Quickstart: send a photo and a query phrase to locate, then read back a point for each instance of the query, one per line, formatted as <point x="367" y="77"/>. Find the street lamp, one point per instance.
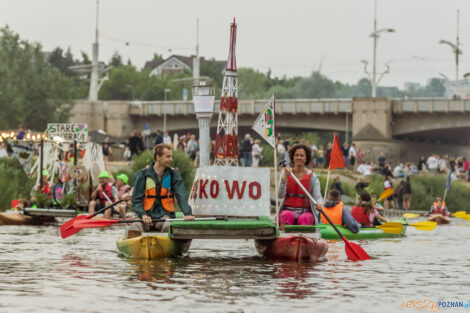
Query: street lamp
<point x="164" y="112"/>
<point x="203" y="98"/>
<point x="456" y="49"/>
<point x="376" y="35"/>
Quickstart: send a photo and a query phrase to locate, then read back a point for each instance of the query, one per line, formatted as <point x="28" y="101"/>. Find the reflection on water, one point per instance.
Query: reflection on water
<point x="39" y="271"/>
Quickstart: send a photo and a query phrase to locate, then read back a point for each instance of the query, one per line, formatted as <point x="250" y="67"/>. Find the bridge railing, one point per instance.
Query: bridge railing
<point x="252" y="107"/>
<point x="431" y="105"/>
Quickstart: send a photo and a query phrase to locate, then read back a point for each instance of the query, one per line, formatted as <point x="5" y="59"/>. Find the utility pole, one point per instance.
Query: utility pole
<point x="196" y="65"/>
<point x="93" y="94"/>
<point x="375" y="35"/>
<point x="456" y="49"/>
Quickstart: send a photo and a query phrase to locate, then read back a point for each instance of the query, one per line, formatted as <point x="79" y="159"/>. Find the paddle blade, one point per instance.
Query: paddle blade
<point x="410" y="215"/>
<point x="387" y="193"/>
<point x="89" y="223"/>
<point x="391" y="227"/>
<point x="466" y="217"/>
<point x="355" y="252"/>
<point x="67" y="228"/>
<point x="424" y="225"/>
<point x="460" y="213"/>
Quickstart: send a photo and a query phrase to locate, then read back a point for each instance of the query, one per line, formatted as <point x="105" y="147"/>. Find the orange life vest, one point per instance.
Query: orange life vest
<point x="166" y="195"/>
<point x="438" y="211"/>
<point x="335" y="214"/>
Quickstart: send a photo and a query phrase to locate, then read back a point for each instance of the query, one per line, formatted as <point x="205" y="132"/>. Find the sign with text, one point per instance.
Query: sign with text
<point x="230" y="190"/>
<point x="69" y="132"/>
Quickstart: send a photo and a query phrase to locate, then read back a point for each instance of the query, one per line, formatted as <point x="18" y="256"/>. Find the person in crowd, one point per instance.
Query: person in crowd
<point x="182" y="143"/>
<point x="381" y="160"/>
<point x="123" y="193"/>
<point x="280" y="151"/>
<point x="286" y="143"/>
<point x="192" y="147"/>
<point x="352" y="155"/>
<point x="135" y="144"/>
<point x="365" y="169"/>
<point x="46" y="186"/>
<point x="314" y="148"/>
<point x="328" y="155"/>
<point x="246" y="151"/>
<point x="21" y="133"/>
<point x="159" y="177"/>
<point x="320" y="156"/>
<point x="422" y="164"/>
<point x="158" y="138"/>
<point x="345" y="151"/>
<point x="360" y="156"/>
<point x="337" y="185"/>
<point x="296" y="207"/>
<point x="442" y="167"/>
<point x="167" y="139"/>
<point x="439" y="207"/>
<point x="399" y="192"/>
<point x="432" y="163"/>
<point x="20" y="205"/>
<point x="388" y="170"/>
<point x="399" y="171"/>
<point x="333" y="208"/>
<point x="257" y="153"/>
<point x="3" y="150"/>
<point x="365" y="213"/>
<point x="103" y="195"/>
<point x="388" y="184"/>
<point x="407" y="194"/>
<point x="106" y="148"/>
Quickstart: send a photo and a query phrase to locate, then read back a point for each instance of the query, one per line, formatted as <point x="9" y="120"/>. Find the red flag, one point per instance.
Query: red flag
<point x="336" y="158"/>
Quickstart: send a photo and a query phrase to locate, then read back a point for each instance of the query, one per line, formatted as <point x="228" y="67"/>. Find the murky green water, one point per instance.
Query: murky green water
<point x="40" y="272"/>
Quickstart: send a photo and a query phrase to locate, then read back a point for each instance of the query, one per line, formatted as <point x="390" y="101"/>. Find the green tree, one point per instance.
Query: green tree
<point x="32" y="92"/>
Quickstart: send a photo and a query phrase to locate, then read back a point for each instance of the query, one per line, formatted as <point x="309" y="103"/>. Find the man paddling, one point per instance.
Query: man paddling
<point x="155" y="188"/>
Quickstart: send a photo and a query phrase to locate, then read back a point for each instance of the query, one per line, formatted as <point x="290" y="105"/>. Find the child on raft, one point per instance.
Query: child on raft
<point x="337" y="214"/>
<point x="365" y="212"/>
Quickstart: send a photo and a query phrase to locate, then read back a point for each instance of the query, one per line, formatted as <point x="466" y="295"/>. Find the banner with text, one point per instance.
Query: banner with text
<point x="69" y="132"/>
<point x="230" y="190"/>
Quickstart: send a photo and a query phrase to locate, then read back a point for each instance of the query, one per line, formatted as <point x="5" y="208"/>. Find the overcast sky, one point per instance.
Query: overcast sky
<point x="289" y="37"/>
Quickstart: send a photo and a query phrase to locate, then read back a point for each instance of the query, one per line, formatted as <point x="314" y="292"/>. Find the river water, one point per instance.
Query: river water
<point x="40" y="272"/>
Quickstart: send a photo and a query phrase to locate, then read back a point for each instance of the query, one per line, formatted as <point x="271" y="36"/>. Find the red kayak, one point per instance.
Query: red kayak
<point x="293" y="248"/>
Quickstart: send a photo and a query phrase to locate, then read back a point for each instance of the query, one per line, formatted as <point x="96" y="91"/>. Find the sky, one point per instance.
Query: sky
<point x="287" y="37"/>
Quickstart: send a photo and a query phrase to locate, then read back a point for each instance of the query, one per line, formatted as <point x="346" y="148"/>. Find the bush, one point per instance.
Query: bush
<point x="14" y="183"/>
<point x="181" y="161"/>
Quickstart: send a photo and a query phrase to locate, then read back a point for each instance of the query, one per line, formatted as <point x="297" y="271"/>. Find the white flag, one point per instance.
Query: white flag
<point x="264" y="124"/>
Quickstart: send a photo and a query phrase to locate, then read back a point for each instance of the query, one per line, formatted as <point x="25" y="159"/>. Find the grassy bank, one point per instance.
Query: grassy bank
<point x="14" y="183"/>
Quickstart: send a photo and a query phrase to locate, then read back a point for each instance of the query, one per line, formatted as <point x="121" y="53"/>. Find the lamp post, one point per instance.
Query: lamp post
<point x="456" y="49"/>
<point x="164" y="112"/>
<point x="376" y="34"/>
<point x="203" y="99"/>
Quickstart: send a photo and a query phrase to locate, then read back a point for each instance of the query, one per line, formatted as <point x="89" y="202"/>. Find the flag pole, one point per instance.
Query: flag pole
<point x="326" y="186"/>
<point x="275" y="164"/>
<point x="445" y="194"/>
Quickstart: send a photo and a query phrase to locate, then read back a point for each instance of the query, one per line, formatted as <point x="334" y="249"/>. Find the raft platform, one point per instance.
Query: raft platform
<point x="256" y="228"/>
<point x="50" y="212"/>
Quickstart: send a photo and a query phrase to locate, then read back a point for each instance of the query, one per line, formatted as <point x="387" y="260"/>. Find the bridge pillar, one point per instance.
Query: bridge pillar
<point x="371" y="119"/>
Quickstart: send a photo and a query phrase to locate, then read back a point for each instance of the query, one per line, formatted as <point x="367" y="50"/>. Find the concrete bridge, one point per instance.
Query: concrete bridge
<point x="393" y="125"/>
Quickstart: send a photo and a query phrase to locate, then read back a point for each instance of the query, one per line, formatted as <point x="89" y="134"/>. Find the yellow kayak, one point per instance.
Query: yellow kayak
<point x="152" y="247"/>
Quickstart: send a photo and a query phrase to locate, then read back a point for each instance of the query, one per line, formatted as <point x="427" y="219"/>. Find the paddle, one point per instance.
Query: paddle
<point x="459" y="213"/>
<point x="411" y="215"/>
<point x="104" y="222"/>
<point x="397" y="227"/>
<point x="465" y="217"/>
<point x="353" y="251"/>
<point x="67" y="229"/>
<point x="387" y="193"/>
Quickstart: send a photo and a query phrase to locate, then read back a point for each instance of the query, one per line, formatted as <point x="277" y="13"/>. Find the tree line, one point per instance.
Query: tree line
<point x="37" y="87"/>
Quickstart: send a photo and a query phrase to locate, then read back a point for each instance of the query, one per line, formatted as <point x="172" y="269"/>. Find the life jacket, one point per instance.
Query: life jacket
<point x="295" y="196"/>
<point x="359" y="214"/>
<point x="440" y="210"/>
<point x="123" y="189"/>
<point x="335" y="214"/>
<point x="166" y="196"/>
<point x="108" y="190"/>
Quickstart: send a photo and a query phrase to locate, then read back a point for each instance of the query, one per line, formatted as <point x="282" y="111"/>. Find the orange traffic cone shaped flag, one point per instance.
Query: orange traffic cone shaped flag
<point x="336" y="158"/>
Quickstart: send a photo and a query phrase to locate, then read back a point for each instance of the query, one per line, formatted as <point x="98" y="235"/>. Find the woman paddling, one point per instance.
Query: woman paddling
<point x="296" y="208"/>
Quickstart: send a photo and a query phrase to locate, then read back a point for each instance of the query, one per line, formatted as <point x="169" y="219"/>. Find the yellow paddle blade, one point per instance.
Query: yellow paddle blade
<point x="387" y="193"/>
<point x="411" y="215"/>
<point x="424" y="225"/>
<point x="391" y="227"/>
<point x="466" y="217"/>
<point x="459" y="213"/>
